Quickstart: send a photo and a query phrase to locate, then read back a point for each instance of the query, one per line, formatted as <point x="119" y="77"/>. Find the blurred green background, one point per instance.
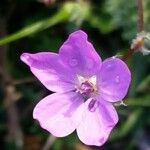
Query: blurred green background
<point x="34" y="26"/>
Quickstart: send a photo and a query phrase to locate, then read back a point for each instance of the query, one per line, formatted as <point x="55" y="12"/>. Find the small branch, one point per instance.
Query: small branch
<point x="14" y="130"/>
<point x="140" y="15"/>
<point x="14" y="134"/>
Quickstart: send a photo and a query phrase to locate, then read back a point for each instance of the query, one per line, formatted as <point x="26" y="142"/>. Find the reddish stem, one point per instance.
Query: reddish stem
<point x="140" y="25"/>
<point x="140" y="15"/>
<point x="128" y="54"/>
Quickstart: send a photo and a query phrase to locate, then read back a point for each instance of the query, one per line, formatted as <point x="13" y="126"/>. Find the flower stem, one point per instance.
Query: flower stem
<point x="127" y="54"/>
<point x="140" y="28"/>
<point x="140" y="15"/>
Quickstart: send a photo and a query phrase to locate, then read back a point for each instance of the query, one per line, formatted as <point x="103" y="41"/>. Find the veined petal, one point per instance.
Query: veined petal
<point x="78" y="53"/>
<point x="48" y="68"/>
<point x="97" y="125"/>
<point x="59" y="114"/>
<point x="114" y="80"/>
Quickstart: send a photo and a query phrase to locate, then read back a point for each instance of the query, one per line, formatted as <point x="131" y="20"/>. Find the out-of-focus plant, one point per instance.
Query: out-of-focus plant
<point x="69" y="11"/>
<point x="110" y="24"/>
<point x="124" y="15"/>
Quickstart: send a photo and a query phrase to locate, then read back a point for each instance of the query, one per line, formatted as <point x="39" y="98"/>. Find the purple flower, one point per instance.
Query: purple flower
<point x="85" y="89"/>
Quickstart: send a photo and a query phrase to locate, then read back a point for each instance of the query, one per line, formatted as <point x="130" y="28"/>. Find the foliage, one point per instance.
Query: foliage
<point x="124" y="16"/>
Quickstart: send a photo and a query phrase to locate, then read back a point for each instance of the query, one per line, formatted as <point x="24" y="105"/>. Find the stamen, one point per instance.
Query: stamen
<point x="92" y="80"/>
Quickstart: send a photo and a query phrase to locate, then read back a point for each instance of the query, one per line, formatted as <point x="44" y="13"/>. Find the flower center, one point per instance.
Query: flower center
<point x="87" y="86"/>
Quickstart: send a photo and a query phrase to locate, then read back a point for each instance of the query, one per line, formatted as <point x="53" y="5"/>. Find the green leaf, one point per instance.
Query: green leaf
<point x="144" y="85"/>
<point x="143" y="101"/>
<point x="126" y="127"/>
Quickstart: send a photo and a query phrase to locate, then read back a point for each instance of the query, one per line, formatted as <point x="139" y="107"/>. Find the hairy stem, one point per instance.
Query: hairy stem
<point x="140" y="25"/>
<point x="140" y="15"/>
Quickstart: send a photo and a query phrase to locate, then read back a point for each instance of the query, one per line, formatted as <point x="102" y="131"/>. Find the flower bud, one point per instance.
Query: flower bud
<point x="142" y="43"/>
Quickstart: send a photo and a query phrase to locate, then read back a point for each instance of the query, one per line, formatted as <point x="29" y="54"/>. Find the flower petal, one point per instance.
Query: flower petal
<point x="97" y="125"/>
<point x="78" y="53"/>
<point x="114" y="80"/>
<point x="59" y="113"/>
<point x="52" y="73"/>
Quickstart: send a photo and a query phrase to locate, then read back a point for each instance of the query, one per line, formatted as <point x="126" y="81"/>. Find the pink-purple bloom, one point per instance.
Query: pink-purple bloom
<point x="84" y="86"/>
